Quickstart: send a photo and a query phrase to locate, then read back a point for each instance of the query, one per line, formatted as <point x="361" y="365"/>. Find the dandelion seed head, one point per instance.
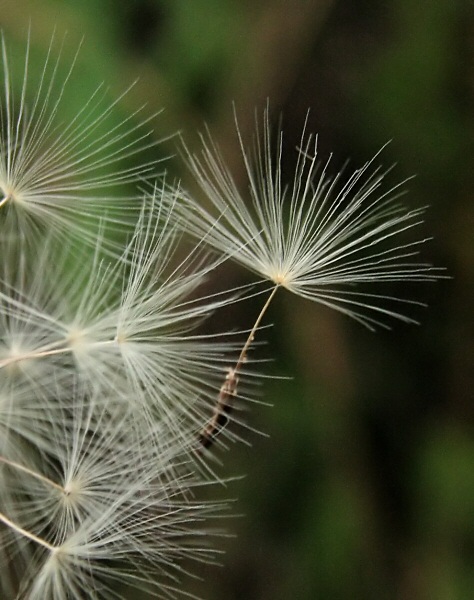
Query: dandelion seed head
<point x="121" y="337"/>
<point x="11" y="193"/>
<point x="72" y="491"/>
<point x="77" y="339"/>
<point x="322" y="237"/>
<point x="128" y="320"/>
<point x="55" y="175"/>
<point x="17" y="359"/>
<point x="103" y="504"/>
<point x="279" y="277"/>
<point x="109" y="390"/>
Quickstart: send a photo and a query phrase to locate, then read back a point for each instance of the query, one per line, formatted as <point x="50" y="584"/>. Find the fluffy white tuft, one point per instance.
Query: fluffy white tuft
<point x="54" y="175"/>
<point x="318" y="237"/>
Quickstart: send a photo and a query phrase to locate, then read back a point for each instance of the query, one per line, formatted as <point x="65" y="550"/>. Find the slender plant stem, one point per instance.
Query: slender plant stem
<point x="18" y="467"/>
<point x="4" y="200"/>
<point x="25" y="533"/>
<point x="248" y="343"/>
<point x="43" y="352"/>
<point x="228" y="389"/>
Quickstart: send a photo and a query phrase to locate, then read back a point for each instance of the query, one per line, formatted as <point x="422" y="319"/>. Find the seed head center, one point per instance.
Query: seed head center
<point x="281" y="278"/>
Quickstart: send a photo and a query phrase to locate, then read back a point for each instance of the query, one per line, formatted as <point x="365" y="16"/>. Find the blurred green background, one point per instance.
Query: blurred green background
<point x="365" y="487"/>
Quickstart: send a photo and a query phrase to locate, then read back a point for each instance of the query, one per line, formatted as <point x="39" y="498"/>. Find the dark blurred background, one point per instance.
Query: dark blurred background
<point x="365" y="487"/>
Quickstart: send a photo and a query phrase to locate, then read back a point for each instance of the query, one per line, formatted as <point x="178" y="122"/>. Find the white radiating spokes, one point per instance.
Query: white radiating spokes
<point x="55" y="173"/>
<point x="319" y="237"/>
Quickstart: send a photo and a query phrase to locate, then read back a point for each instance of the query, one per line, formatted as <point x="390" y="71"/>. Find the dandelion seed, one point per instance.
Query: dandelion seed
<point x="124" y="324"/>
<point x="100" y="505"/>
<point x="319" y="238"/>
<point x="105" y="378"/>
<point x="54" y="175"/>
<point x="223" y="408"/>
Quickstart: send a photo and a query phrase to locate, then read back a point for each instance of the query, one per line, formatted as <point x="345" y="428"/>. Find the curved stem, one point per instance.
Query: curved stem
<point x="18" y="467"/>
<point x="228" y="390"/>
<point x="4" y="200"/>
<point x="43" y="352"/>
<point x="31" y="536"/>
<point x="246" y="346"/>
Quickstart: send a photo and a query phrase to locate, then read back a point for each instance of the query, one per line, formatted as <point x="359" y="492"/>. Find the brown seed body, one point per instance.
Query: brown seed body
<point x="222" y="409"/>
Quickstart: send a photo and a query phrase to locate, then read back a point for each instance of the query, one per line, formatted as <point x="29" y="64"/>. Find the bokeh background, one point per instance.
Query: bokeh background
<point x="364" y="488"/>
